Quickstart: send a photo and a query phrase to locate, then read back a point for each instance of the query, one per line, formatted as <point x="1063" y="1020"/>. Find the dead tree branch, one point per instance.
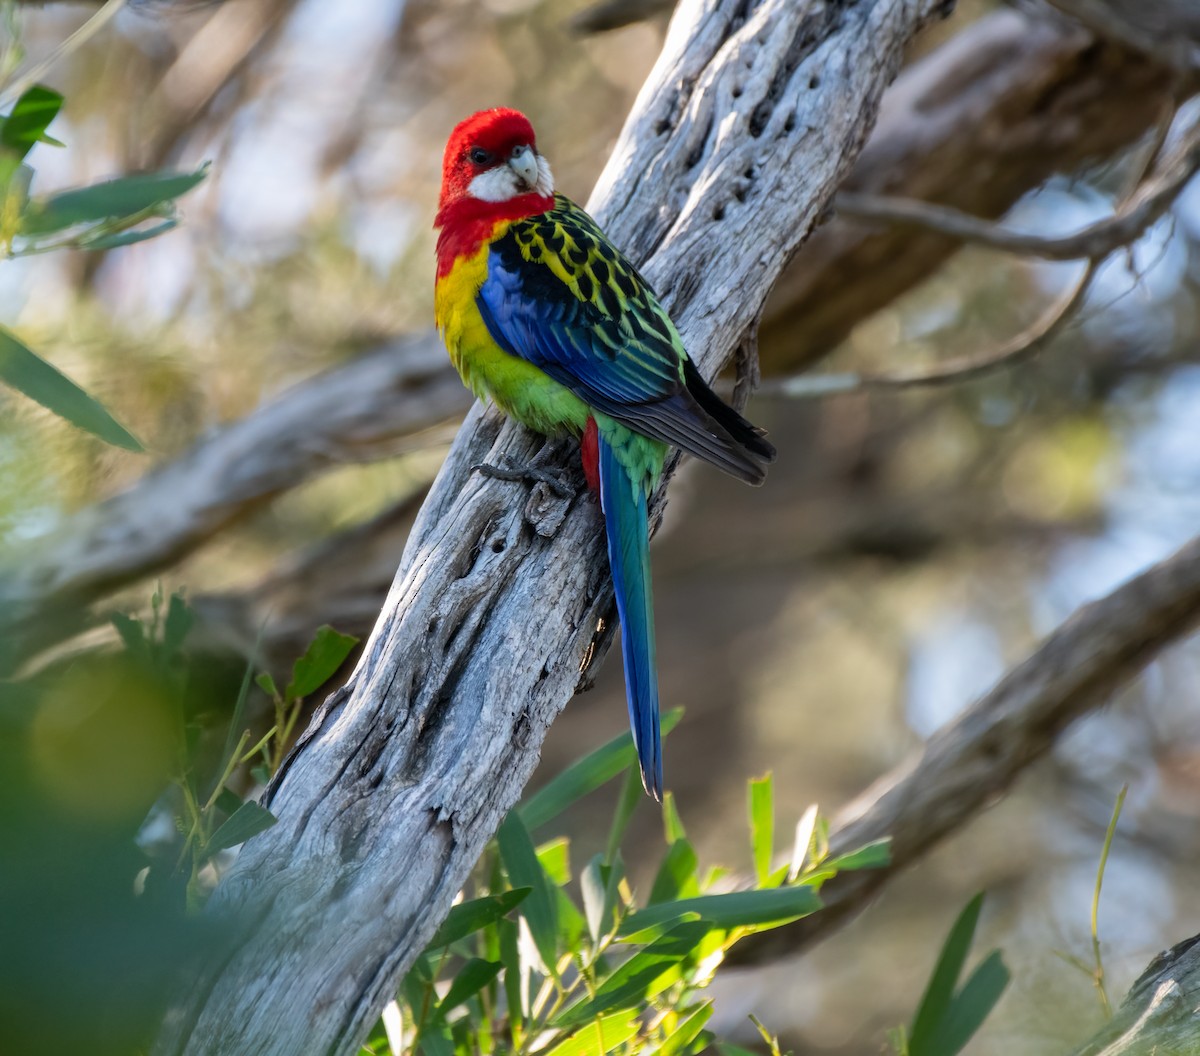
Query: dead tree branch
<point x="1149" y="202"/>
<point x="970" y="763"/>
<point x="404" y="774"/>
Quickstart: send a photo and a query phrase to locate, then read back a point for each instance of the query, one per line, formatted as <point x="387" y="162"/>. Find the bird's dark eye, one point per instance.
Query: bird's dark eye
<point x="479" y="156"/>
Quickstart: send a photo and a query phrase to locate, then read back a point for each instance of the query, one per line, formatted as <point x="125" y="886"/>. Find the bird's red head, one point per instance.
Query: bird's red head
<point x="491" y="171"/>
<point x="492" y="157"/>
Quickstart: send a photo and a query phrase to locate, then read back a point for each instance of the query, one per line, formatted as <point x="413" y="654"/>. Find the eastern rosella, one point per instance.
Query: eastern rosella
<point x="543" y="315"/>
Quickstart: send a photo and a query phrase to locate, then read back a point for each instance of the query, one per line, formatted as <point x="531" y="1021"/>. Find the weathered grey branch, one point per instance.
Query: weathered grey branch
<point x="1160" y="1014"/>
<point x="1152" y="199"/>
<point x="375" y="406"/>
<point x="739" y="137"/>
<point x="980" y="121"/>
<point x="970" y="763"/>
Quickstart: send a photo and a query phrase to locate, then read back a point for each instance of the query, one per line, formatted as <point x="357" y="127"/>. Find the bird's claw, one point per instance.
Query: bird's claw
<point x="526" y="473"/>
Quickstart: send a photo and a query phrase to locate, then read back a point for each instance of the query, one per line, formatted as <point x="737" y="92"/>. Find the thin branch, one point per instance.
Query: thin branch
<point x="1023" y="346"/>
<point x="1097" y="240"/>
<point x="1144" y="201"/>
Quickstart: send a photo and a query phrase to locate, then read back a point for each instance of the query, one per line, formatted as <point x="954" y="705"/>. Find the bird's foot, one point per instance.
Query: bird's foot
<point x="527" y="472"/>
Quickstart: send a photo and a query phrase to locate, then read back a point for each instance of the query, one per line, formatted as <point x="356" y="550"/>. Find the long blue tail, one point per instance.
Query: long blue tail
<point x="625" y="522"/>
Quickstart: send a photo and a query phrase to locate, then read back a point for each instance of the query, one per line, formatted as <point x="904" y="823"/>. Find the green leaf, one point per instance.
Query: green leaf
<point x="629" y="800"/>
<point x="122" y="197"/>
<point x="555" y="856"/>
<point x="472" y="916"/>
<point x="593" y="887"/>
<point x="516" y="989"/>
<point x="30" y="374"/>
<point x="128" y="237"/>
<point x="762" y="826"/>
<point x="524" y="870"/>
<point x="471" y="978"/>
<point x="600" y="1036"/>
<point x="179" y="622"/>
<point x="940" y="990"/>
<point x="131" y="632"/>
<point x="686" y="1031"/>
<point x="672" y="823"/>
<point x="875" y="855"/>
<point x="321" y="659"/>
<point x="586" y="775"/>
<point x="248" y="820"/>
<point x="970" y="1007"/>
<point x="645" y="975"/>
<point x="266" y="683"/>
<point x="677" y="875"/>
<point x="26" y="124"/>
<point x="228" y="801"/>
<point x="571" y="924"/>
<point x="737" y="909"/>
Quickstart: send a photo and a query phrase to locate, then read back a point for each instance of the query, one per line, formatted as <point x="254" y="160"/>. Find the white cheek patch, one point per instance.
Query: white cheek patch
<point x="501" y="183"/>
<point x="545" y="178"/>
<point x="496" y="185"/>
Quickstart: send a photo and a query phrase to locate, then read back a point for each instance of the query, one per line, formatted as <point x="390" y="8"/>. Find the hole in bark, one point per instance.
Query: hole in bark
<point x="790" y="124"/>
<point x="749" y="173"/>
<point x="718" y="213"/>
<point x="739" y="192"/>
<point x="736" y="91"/>
<point x="759" y="119"/>
<point x="498" y="545"/>
<point x="814" y="82"/>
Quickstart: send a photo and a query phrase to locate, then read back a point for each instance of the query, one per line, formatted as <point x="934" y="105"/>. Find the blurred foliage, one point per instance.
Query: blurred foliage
<point x="102" y="216"/>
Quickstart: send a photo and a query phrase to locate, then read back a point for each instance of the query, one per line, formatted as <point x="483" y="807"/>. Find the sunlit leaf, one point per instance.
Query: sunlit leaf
<point x="672" y="823"/>
<point x="876" y="855"/>
<point x="600" y="1036"/>
<point x="762" y="826"/>
<point x="687" y="1031"/>
<point x="324" y="655"/>
<point x="642" y="977"/>
<point x="478" y="913"/>
<point x="26" y="123"/>
<point x="555" y="856"/>
<point x="735" y="909"/>
<point x="585" y="775"/>
<point x="676" y="877"/>
<point x="28" y="373"/>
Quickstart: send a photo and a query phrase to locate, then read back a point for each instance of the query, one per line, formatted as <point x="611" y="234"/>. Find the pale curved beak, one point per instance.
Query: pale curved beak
<point x="523" y="161"/>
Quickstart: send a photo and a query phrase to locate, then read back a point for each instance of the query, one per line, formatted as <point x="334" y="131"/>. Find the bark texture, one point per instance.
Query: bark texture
<point x="1160" y="1015"/>
<point x="740" y="136"/>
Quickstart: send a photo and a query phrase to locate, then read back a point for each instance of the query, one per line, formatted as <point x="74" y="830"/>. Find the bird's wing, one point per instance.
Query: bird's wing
<point x="559" y="295"/>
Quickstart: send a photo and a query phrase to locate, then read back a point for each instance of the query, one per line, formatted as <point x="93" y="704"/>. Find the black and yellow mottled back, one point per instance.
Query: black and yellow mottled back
<point x="561" y="296"/>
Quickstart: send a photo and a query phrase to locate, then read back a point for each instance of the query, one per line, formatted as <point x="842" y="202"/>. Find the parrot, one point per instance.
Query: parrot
<point x="545" y="318"/>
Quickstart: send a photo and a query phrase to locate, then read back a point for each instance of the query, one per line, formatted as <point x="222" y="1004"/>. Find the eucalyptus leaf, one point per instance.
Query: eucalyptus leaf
<point x="122" y="197"/>
<point x="248" y="820"/>
<point x="31" y="375"/>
